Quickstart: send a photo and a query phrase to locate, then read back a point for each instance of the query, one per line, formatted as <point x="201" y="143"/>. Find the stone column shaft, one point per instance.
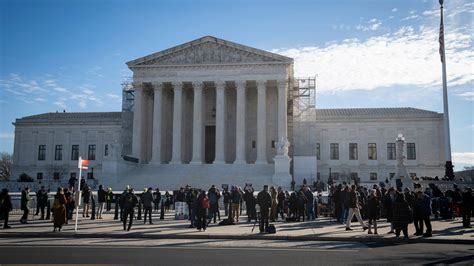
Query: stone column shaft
<point x="197" y="123"/>
<point x="220" y="122"/>
<point x="177" y="121"/>
<point x="240" y="126"/>
<point x="261" y="122"/>
<point x="282" y="114"/>
<point x="157" y="123"/>
<point x="137" y="122"/>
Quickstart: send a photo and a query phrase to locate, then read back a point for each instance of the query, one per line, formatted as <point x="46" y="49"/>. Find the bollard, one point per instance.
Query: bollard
<point x="93" y="209"/>
<point x="116" y="209"/>
<point x="48" y="210"/>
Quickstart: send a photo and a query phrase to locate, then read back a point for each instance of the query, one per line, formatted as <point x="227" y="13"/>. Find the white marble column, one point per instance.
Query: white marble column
<point x="137" y="122"/>
<point x="157" y="122"/>
<point x="282" y="114"/>
<point x="240" y="126"/>
<point x="197" y="123"/>
<point x="177" y="121"/>
<point x="220" y="121"/>
<point x="261" y="122"/>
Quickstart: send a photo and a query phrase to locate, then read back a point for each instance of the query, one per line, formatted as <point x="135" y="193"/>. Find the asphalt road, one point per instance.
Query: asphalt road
<point x="229" y="252"/>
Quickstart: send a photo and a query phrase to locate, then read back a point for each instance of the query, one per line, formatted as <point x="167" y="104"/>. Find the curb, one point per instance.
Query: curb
<point x="237" y="237"/>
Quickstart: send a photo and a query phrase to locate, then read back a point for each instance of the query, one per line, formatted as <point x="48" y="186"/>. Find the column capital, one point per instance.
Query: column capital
<point x="197" y="85"/>
<point x="220" y="84"/>
<point x="177" y="85"/>
<point x="240" y="84"/>
<point x="282" y="82"/>
<point x="157" y="85"/>
<point x="137" y="85"/>
<point x="261" y="84"/>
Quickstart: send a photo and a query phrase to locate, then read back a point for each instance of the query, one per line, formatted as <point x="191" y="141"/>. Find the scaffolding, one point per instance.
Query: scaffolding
<point x="303" y="98"/>
<point x="128" y="95"/>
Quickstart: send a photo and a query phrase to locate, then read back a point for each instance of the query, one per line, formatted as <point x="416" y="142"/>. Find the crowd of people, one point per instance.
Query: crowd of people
<point x="345" y="203"/>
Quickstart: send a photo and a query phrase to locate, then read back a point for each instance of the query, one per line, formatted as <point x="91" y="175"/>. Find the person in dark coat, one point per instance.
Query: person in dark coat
<point x="226" y="196"/>
<point x="59" y="209"/>
<point x="337" y="203"/>
<point x="109" y="198"/>
<point x="301" y="201"/>
<point x="101" y="198"/>
<point x="5" y="207"/>
<point x="202" y="211"/>
<point x="264" y="201"/>
<point x="147" y="200"/>
<point x="235" y="198"/>
<point x="129" y="203"/>
<point x="42" y="201"/>
<point x="86" y="199"/>
<point x="24" y="202"/>
<point x="467" y="206"/>
<point x="292" y="205"/>
<point x="281" y="203"/>
<point x="402" y="215"/>
<point x="250" y="203"/>
<point x="373" y="205"/>
<point x="389" y="198"/>
<point x="194" y="207"/>
<point x="214" y="196"/>
<point x="157" y="199"/>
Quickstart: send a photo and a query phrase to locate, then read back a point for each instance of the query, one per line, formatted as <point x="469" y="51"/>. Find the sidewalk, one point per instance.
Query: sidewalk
<point x="448" y="232"/>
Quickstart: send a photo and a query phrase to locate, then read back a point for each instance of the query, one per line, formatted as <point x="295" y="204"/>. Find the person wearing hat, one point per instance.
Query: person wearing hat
<point x="467" y="207"/>
<point x="5" y="207"/>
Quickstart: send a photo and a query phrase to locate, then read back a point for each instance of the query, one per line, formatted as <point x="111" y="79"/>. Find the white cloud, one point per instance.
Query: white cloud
<point x="113" y="96"/>
<point x="410" y="17"/>
<point x="61" y="103"/>
<point x="407" y="56"/>
<point x="370" y="25"/>
<point x="468" y="95"/>
<point x="394" y="9"/>
<point x="39" y="99"/>
<point x="7" y="136"/>
<point x="463" y="158"/>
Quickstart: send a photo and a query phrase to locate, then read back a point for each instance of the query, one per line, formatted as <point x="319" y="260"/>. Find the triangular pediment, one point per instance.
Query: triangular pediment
<point x="209" y="50"/>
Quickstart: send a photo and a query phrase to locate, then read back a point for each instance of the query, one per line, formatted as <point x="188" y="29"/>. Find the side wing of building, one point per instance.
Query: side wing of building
<point x="360" y="143"/>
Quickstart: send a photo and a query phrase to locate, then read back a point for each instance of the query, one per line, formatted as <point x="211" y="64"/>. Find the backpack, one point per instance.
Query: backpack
<point x="271" y="229"/>
<point x="56" y="204"/>
<point x="205" y="203"/>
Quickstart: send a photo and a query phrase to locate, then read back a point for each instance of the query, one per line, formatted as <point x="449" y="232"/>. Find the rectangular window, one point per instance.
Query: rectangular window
<point x="318" y="151"/>
<point x="90" y="175"/>
<point x="75" y="152"/>
<point x="58" y="153"/>
<point x="273" y="144"/>
<point x="411" y="151"/>
<point x="91" y="153"/>
<point x="318" y="175"/>
<point x="354" y="176"/>
<point x="335" y="176"/>
<point x="334" y="151"/>
<point x="372" y="151"/>
<point x="353" y="155"/>
<point x="39" y="176"/>
<point x="253" y="144"/>
<point x="373" y="176"/>
<point x="392" y="175"/>
<point x="41" y="152"/>
<point x="391" y="151"/>
<point x="56" y="176"/>
<point x="412" y="175"/>
<point x="106" y="150"/>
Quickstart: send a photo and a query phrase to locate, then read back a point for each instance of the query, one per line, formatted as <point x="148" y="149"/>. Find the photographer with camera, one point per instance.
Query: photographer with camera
<point x="264" y="200"/>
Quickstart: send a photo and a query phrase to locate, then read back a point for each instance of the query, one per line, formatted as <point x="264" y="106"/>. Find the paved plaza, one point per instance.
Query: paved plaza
<point x="322" y="229"/>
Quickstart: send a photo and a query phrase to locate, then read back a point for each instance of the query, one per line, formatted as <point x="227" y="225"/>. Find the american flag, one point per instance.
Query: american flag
<point x="441" y="38"/>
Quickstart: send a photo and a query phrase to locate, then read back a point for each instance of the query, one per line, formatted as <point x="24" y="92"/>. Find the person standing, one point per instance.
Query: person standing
<point x="109" y="198"/>
<point x="309" y="204"/>
<point x="24" y="202"/>
<point x="249" y="203"/>
<point x="389" y="198"/>
<point x="373" y="204"/>
<point x="354" y="208"/>
<point x="235" y="198"/>
<point x="157" y="199"/>
<point x="101" y="198"/>
<point x="147" y="200"/>
<point x="281" y="203"/>
<point x="86" y="199"/>
<point x="402" y="215"/>
<point x="201" y="212"/>
<point x="273" y="208"/>
<point x="5" y="207"/>
<point x="226" y="195"/>
<point x="213" y="196"/>
<point x="59" y="210"/>
<point x="42" y="198"/>
<point x="467" y="207"/>
<point x="264" y="200"/>
<point x="129" y="203"/>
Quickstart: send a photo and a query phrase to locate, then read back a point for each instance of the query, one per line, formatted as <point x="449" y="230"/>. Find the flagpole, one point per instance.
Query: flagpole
<point x="78" y="191"/>
<point x="447" y="139"/>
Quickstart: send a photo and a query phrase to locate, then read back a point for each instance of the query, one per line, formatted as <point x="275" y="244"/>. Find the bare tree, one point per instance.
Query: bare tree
<point x="6" y="162"/>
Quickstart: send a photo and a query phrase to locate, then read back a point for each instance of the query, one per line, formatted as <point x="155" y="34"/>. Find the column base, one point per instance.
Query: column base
<point x="195" y="162"/>
<point x="155" y="161"/>
<point x="219" y="162"/>
<point x="260" y="161"/>
<point x="240" y="162"/>
<point x="175" y="162"/>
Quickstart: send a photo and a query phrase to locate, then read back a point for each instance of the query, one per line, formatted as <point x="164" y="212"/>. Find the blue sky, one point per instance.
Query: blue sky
<point x="71" y="55"/>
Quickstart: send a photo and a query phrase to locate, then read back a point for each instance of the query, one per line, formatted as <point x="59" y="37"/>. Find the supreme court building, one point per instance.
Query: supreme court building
<point x="212" y="111"/>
